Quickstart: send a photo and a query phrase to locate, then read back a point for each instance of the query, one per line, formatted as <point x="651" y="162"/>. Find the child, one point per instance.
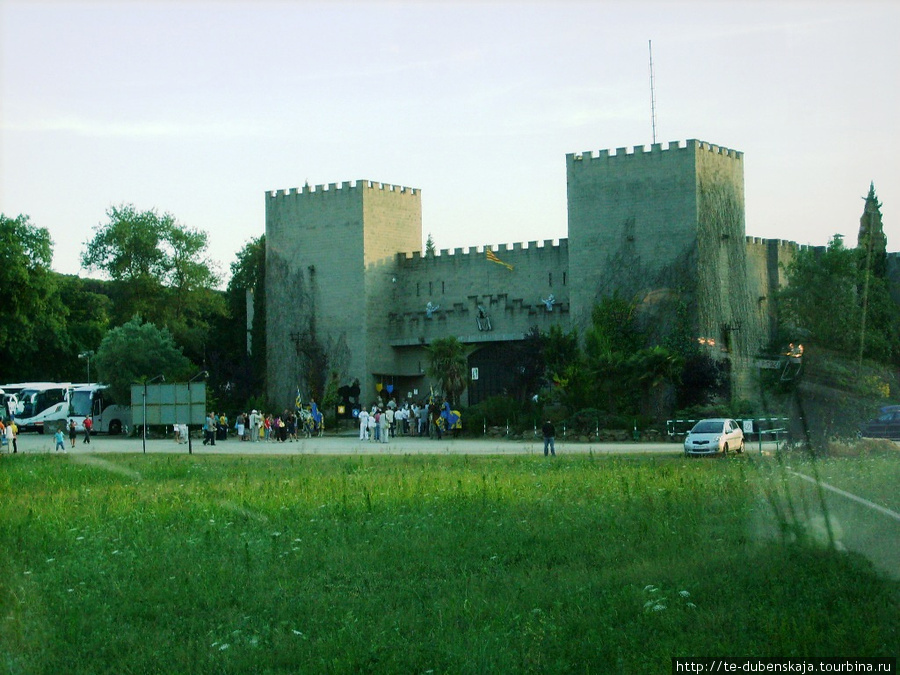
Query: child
<point x="60" y="440"/>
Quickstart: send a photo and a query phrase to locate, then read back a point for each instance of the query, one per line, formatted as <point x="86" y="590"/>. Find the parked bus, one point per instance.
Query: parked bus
<point x="39" y="403"/>
<point x="95" y="400"/>
<point x="8" y="401"/>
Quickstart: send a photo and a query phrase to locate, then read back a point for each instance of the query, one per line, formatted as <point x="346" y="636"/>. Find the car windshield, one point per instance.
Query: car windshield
<point x="707" y="427"/>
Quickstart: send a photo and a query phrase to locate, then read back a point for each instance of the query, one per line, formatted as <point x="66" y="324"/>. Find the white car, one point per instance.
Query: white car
<point x="710" y="437"/>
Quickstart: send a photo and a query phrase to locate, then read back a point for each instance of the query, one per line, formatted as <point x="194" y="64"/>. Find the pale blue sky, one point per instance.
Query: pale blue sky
<point x="199" y="108"/>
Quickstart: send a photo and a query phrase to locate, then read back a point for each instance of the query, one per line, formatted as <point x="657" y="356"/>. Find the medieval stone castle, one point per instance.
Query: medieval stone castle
<point x="346" y="280"/>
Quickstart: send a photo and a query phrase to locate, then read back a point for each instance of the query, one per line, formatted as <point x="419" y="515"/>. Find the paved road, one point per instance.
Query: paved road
<point x="351" y="445"/>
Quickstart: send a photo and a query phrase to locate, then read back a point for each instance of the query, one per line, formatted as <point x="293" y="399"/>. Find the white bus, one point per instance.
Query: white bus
<point x="8" y="401"/>
<point x="39" y="403"/>
<point x="95" y="400"/>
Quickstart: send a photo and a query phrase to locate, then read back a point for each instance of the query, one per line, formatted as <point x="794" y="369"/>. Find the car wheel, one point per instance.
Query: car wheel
<point x="740" y="448"/>
<point x="115" y="428"/>
<point x="725" y="450"/>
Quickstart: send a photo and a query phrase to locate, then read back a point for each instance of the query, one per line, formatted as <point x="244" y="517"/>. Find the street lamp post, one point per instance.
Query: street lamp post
<point x="146" y="382"/>
<point x="201" y="374"/>
<point x="86" y="356"/>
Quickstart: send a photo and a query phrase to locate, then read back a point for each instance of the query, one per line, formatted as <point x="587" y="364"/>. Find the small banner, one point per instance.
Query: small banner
<point x="493" y="258"/>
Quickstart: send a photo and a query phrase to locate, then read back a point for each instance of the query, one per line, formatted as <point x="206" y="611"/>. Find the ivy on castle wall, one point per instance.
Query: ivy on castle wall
<point x="726" y="311"/>
<point x="300" y="357"/>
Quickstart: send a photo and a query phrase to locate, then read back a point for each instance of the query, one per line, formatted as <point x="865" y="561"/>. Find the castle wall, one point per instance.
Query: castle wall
<point x="459" y="281"/>
<point x="767" y="261"/>
<point x="393" y="222"/>
<point x="324" y="248"/>
<point x="632" y="215"/>
<point x="663" y="227"/>
<point x="725" y="310"/>
<point x="893" y="271"/>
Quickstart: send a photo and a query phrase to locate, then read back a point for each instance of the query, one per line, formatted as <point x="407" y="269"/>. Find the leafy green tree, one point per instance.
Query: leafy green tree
<point x="248" y="277"/>
<point x="88" y="309"/>
<point x="447" y="364"/>
<point x="33" y="326"/>
<point x="159" y="270"/>
<point x="561" y="351"/>
<point x="129" y="249"/>
<point x="871" y="242"/>
<point x="136" y="351"/>
<point x="613" y="329"/>
<point x="879" y="334"/>
<point x="570" y="383"/>
<point x="429" y="246"/>
<point x="819" y="302"/>
<point x="235" y="374"/>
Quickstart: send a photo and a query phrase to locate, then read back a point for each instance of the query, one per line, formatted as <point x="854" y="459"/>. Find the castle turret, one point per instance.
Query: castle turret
<point x="330" y="258"/>
<point x="664" y="227"/>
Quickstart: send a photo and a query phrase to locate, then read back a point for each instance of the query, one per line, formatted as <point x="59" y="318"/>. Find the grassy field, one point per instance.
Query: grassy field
<point x="450" y="564"/>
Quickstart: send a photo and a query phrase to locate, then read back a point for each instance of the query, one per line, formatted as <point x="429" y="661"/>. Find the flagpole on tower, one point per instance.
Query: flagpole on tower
<point x="652" y="93"/>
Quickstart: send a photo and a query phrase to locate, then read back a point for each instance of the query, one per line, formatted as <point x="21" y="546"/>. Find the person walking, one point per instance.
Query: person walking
<point x="88" y="425"/>
<point x="363" y="425"/>
<point x="549" y="432"/>
<point x="73" y="432"/>
<point x="209" y="428"/>
<point x="255" y="424"/>
<point x="12" y="432"/>
<point x="384" y="433"/>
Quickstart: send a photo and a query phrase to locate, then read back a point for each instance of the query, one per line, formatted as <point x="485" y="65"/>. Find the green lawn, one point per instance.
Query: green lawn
<point x="219" y="564"/>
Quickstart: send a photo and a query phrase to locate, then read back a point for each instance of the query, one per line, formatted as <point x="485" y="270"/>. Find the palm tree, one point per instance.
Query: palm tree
<point x="448" y="360"/>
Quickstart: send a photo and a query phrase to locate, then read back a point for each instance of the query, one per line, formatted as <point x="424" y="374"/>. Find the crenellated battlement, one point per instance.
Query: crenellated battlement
<point x="345" y="188"/>
<point x="764" y="242"/>
<point x="655" y="150"/>
<point x="542" y="248"/>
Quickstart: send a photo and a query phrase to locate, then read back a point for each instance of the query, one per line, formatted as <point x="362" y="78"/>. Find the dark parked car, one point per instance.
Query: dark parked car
<point x="886" y="425"/>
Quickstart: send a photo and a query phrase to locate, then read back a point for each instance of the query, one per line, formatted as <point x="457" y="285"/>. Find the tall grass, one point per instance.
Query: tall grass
<point x="211" y="564"/>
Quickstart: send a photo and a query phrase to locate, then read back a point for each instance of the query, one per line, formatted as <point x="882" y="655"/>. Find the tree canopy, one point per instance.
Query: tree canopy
<point x="236" y="375"/>
<point x="447" y="364"/>
<point x="160" y="270"/>
<point x="33" y="325"/>
<point x="822" y="304"/>
<point x="136" y="351"/>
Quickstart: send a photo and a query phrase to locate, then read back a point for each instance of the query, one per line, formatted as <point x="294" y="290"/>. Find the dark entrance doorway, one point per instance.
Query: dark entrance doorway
<point x="497" y="369"/>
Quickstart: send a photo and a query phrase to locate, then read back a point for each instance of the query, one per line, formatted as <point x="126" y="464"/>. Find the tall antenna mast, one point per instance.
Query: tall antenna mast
<point x="652" y="94"/>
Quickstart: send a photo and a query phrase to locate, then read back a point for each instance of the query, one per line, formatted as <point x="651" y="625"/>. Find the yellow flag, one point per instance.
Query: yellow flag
<point x="489" y="254"/>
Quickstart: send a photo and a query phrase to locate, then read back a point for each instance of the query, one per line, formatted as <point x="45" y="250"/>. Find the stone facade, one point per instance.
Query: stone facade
<point x="329" y="255"/>
<point x="664" y="226"/>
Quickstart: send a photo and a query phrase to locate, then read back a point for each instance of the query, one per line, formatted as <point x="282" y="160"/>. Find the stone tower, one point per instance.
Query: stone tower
<point x="330" y="261"/>
<point x="665" y="227"/>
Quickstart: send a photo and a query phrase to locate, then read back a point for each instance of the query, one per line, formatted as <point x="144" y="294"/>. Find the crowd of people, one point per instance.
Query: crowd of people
<point x="384" y="421"/>
<point x="259" y="427"/>
<point x="381" y="422"/>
